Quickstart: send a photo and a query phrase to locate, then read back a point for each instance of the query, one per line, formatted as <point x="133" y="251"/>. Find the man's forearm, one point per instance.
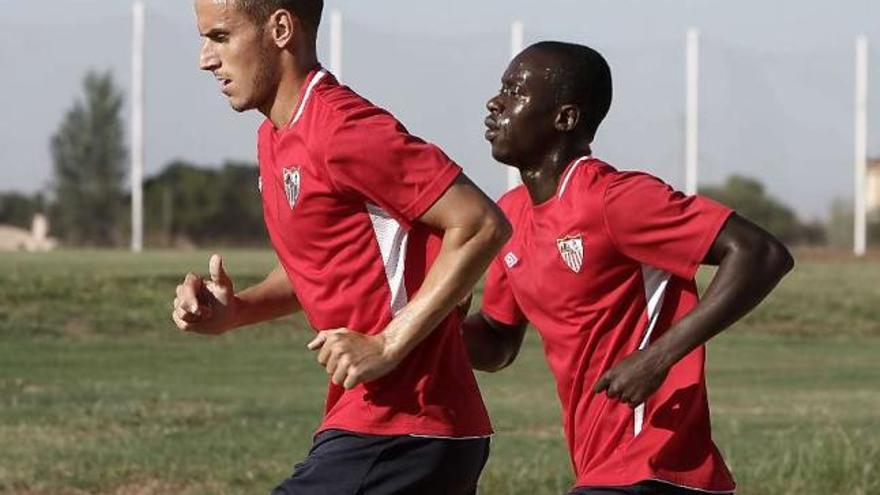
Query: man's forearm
<point x="464" y="256"/>
<point x="489" y="348"/>
<point x="474" y="229"/>
<point x="745" y="276"/>
<point x="272" y="298"/>
<point x="750" y="263"/>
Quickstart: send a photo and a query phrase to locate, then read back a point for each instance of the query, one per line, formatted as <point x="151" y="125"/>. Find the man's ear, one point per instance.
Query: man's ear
<point x="283" y="26"/>
<point x="567" y="118"/>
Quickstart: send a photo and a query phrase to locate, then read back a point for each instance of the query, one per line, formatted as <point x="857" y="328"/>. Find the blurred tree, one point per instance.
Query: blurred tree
<point x="814" y="233"/>
<point x="19" y="209"/>
<point x="841" y="225"/>
<point x="241" y="203"/>
<point x="749" y="198"/>
<point x="188" y="204"/>
<point x="89" y="155"/>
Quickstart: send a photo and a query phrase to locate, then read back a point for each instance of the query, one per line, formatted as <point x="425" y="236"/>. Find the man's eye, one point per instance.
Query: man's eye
<point x="512" y="90"/>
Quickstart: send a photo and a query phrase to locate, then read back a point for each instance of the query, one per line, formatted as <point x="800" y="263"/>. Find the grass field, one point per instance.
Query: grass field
<point x="99" y="395"/>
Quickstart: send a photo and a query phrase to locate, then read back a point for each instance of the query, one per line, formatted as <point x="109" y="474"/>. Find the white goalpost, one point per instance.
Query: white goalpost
<point x="692" y="103"/>
<point x="517" y="44"/>
<point x="336" y="43"/>
<point x="861" y="147"/>
<point x="137" y="128"/>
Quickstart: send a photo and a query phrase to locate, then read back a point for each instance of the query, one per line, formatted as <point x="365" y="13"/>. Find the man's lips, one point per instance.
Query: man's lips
<point x="491" y="128"/>
<point x="224" y="82"/>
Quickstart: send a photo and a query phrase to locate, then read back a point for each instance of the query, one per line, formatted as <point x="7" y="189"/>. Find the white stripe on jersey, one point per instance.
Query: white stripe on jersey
<point x="568" y="175"/>
<point x="392" y="238"/>
<point x="302" y="106"/>
<point x="655" y="281"/>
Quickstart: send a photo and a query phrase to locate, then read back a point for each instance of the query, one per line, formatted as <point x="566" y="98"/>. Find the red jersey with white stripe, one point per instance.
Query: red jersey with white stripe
<point x="343" y="186"/>
<point x="602" y="269"/>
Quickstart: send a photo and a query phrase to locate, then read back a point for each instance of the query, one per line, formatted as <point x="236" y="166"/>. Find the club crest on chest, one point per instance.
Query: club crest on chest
<point x="291" y="179"/>
<point x="510" y="259"/>
<point x="571" y="248"/>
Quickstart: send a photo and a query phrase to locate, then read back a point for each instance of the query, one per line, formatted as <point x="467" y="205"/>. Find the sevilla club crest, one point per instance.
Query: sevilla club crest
<point x="572" y="251"/>
<point x="291" y="179"/>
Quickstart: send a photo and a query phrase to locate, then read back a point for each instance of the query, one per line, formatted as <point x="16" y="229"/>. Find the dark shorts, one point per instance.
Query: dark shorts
<point x="643" y="488"/>
<point x="345" y="463"/>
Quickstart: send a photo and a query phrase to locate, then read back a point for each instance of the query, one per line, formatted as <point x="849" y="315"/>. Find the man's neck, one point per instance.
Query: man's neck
<point x="542" y="177"/>
<point x="294" y="74"/>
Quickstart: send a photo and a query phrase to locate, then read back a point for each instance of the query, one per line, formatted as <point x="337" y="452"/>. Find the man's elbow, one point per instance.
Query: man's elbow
<point x="787" y="261"/>
<point x="489" y="367"/>
<point x="492" y="364"/>
<point x="496" y="229"/>
<point x="773" y="258"/>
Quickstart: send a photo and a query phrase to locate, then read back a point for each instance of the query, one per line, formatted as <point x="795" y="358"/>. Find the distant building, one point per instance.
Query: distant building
<point x="873" y="185"/>
<point x="37" y="240"/>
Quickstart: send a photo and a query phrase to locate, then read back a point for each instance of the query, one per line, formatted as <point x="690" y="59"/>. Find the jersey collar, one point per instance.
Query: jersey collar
<point x="566" y="176"/>
<point x="311" y="81"/>
<point x="567" y="173"/>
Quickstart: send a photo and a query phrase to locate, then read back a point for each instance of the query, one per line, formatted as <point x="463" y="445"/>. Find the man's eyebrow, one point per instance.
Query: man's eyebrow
<point x="516" y="78"/>
<point x="214" y="32"/>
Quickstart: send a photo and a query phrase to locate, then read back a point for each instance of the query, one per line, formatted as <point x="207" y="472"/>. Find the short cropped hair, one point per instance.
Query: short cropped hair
<point x="308" y="11"/>
<point x="580" y="76"/>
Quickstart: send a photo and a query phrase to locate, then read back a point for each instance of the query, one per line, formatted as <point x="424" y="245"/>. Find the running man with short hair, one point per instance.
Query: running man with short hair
<point x="379" y="236"/>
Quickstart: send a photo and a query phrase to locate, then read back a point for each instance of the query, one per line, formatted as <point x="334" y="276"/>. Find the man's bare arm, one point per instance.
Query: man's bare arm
<point x="750" y="264"/>
<point x="474" y="230"/>
<point x="492" y="345"/>
<point x="270" y="299"/>
<point x="211" y="306"/>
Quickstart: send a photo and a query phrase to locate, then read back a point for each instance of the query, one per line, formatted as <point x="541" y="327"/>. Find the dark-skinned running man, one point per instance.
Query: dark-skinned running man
<point x="602" y="263"/>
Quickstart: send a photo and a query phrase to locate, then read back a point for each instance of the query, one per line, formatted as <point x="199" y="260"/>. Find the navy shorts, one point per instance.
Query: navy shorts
<point x="643" y="488"/>
<point x="345" y="463"/>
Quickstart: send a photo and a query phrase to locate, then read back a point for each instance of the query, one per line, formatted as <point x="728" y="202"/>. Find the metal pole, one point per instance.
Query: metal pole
<point x="336" y="43"/>
<point x="692" y="111"/>
<point x="861" y="148"/>
<point x="517" y="44"/>
<point x="137" y="129"/>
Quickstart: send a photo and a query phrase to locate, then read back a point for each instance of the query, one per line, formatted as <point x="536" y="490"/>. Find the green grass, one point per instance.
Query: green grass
<point x="99" y="394"/>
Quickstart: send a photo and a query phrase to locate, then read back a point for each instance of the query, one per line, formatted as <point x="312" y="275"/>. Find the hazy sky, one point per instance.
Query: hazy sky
<point x="777" y="81"/>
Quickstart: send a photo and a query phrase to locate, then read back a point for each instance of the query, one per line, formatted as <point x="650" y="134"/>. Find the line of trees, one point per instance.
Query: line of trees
<point x="90" y="160"/>
<point x="749" y="198"/>
<point x="18" y="209"/>
<point x="185" y="204"/>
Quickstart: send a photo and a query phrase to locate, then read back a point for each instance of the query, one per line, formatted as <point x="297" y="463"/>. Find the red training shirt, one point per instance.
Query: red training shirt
<point x="601" y="269"/>
<point x="343" y="186"/>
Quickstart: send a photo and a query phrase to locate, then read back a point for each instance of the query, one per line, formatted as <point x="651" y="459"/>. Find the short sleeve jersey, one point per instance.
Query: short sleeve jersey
<point x="343" y="186"/>
<point x="602" y="269"/>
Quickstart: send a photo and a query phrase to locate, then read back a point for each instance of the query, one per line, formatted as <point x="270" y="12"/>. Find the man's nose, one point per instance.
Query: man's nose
<point x="493" y="105"/>
<point x="208" y="59"/>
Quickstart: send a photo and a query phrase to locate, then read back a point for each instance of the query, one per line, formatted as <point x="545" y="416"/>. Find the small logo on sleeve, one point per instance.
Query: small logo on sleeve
<point x="260" y="184"/>
<point x="291" y="179"/>
<point x="510" y="259"/>
<point x="571" y="249"/>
